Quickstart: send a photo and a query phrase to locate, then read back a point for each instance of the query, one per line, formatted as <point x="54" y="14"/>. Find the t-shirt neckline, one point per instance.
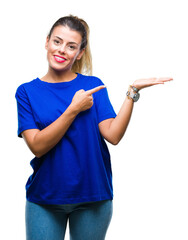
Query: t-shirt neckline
<point x="58" y="84"/>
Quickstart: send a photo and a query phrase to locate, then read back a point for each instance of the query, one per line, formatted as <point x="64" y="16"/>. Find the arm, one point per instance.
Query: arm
<point x="40" y="142"/>
<point x="114" y="129"/>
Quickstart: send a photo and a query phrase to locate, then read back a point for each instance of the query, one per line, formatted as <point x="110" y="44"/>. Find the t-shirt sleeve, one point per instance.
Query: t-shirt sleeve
<point x="104" y="107"/>
<point x="24" y="111"/>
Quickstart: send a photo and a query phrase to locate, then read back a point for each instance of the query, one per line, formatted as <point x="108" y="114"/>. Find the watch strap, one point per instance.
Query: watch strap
<point x="132" y="94"/>
<point x="134" y="89"/>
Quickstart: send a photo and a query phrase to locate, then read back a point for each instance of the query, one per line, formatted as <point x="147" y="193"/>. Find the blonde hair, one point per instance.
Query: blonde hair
<point x="84" y="65"/>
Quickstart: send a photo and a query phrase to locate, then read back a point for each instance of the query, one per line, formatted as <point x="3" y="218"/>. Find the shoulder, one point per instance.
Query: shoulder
<point x="91" y="80"/>
<point x="24" y="87"/>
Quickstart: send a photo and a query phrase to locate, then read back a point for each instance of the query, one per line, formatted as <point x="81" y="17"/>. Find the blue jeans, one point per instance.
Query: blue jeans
<point x="87" y="221"/>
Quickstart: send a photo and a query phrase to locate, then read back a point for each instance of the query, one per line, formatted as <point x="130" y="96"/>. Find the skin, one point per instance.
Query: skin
<point x="66" y="43"/>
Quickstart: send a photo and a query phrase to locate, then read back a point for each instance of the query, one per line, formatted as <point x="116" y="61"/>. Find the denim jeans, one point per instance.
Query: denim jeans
<point x="87" y="221"/>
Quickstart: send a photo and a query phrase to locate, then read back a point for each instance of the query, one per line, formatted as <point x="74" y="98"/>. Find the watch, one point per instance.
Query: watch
<point x="134" y="89"/>
<point x="133" y="93"/>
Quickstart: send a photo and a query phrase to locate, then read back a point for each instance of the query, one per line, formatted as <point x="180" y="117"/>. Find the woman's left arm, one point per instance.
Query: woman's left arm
<point x="113" y="129"/>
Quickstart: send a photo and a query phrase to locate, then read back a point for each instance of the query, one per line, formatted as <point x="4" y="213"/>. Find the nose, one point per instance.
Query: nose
<point x="62" y="49"/>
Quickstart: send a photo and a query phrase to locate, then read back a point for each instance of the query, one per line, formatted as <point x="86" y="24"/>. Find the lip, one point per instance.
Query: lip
<point x="59" y="59"/>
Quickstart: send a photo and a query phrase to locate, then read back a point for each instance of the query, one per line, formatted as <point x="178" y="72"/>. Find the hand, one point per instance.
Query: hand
<point x="148" y="82"/>
<point x="83" y="100"/>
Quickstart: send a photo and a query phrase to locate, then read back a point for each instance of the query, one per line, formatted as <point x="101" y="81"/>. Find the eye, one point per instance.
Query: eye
<point x="72" y="47"/>
<point x="57" y="42"/>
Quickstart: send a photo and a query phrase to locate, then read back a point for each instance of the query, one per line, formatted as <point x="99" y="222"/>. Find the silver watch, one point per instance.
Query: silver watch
<point x="134" y="89"/>
<point x="133" y="93"/>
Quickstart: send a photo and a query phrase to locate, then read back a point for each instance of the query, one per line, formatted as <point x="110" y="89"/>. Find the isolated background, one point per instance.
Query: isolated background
<point x="129" y="40"/>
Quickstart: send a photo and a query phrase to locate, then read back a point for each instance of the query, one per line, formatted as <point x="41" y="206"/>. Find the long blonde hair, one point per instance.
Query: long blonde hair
<point x="84" y="65"/>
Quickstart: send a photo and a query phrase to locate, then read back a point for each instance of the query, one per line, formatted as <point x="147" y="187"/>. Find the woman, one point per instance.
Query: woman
<point x="64" y="118"/>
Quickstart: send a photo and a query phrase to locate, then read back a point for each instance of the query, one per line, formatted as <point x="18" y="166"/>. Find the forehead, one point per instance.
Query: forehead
<point x="67" y="34"/>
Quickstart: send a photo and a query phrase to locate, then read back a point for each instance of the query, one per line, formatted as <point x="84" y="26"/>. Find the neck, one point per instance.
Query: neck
<point x="57" y="76"/>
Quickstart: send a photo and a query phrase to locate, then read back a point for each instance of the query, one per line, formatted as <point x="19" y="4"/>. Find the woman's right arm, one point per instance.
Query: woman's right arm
<point x="40" y="142"/>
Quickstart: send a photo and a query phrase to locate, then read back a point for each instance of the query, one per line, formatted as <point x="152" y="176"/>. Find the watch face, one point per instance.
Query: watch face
<point x="136" y="97"/>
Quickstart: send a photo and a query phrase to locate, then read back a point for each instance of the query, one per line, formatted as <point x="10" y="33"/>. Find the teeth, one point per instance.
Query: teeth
<point x="59" y="58"/>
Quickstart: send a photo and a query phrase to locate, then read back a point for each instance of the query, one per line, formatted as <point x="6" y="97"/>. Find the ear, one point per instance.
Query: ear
<point x="46" y="44"/>
<point x="80" y="54"/>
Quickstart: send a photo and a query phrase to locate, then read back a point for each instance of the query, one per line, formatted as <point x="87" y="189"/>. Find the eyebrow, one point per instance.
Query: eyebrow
<point x="69" y="42"/>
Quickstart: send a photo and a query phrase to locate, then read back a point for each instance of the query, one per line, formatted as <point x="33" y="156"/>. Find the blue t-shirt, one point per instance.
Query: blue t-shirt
<point x="78" y="168"/>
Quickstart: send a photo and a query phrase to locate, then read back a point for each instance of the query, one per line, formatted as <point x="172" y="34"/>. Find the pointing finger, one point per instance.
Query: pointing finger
<point x="93" y="90"/>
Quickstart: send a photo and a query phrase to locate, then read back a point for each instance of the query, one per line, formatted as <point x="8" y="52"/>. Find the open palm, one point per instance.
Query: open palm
<point x="148" y="82"/>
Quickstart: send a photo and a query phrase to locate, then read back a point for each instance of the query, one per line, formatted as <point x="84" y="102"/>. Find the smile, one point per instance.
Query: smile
<point x="59" y="59"/>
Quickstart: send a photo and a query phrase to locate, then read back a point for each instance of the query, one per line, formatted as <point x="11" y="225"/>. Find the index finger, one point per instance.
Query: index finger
<point x="96" y="89"/>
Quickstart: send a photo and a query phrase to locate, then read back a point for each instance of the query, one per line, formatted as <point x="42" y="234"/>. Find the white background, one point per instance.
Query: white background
<point x="129" y="40"/>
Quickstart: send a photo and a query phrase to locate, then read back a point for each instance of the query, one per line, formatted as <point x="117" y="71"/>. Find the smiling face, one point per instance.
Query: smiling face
<point x="63" y="48"/>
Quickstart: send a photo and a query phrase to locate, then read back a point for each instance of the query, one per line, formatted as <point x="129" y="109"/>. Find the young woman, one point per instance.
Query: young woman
<point x="64" y="118"/>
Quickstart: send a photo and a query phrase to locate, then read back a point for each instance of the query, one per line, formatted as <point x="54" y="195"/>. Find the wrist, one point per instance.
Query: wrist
<point x="134" y="88"/>
<point x="73" y="109"/>
<point x="135" y="85"/>
<point x="133" y="93"/>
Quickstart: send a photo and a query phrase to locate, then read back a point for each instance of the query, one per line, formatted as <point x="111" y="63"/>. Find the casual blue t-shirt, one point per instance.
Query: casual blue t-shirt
<point x="78" y="168"/>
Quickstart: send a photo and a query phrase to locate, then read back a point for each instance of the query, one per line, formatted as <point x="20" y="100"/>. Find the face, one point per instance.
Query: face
<point x="63" y="48"/>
